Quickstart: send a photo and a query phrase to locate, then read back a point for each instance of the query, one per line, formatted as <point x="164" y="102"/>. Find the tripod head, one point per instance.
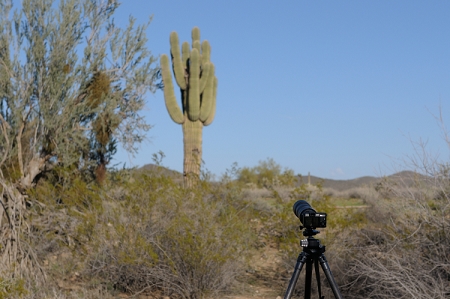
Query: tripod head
<point x="311" y="244"/>
<point x="309" y="232"/>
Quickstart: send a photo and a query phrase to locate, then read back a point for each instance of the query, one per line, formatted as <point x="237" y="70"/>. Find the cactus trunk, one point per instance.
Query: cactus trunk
<point x="192" y="138"/>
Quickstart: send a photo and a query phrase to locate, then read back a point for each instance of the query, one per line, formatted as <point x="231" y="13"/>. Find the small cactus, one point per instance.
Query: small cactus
<point x="194" y="75"/>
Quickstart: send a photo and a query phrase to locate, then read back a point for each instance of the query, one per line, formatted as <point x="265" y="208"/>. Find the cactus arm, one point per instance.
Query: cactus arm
<point x="178" y="67"/>
<point x="195" y="34"/>
<point x="212" y="113"/>
<point x="194" y="94"/>
<point x="196" y="45"/>
<point x="196" y="39"/>
<point x="206" y="51"/>
<point x="207" y="96"/>
<point x="185" y="52"/>
<point x="205" y="56"/>
<point x="169" y="95"/>
<point x="205" y="75"/>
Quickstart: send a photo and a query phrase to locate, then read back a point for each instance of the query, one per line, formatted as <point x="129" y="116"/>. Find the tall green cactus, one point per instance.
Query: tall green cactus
<point x="194" y="74"/>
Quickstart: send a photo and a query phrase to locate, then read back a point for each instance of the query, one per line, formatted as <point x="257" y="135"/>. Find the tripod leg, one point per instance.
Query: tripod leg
<point x="302" y="257"/>
<point x="308" y="279"/>
<point x="326" y="269"/>
<point x="316" y="269"/>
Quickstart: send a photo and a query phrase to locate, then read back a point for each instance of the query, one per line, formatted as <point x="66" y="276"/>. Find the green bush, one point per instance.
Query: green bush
<point x="267" y="174"/>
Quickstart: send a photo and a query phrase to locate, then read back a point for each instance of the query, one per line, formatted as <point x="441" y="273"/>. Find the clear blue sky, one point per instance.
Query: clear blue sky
<point x="334" y="88"/>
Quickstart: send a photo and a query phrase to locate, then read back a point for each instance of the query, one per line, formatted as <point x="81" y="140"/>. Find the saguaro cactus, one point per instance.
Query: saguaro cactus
<point x="194" y="74"/>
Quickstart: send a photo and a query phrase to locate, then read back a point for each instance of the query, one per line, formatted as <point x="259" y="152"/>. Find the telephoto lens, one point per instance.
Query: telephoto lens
<point x="301" y="207"/>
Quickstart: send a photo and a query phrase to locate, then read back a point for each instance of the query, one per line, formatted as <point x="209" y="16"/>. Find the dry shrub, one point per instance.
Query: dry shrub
<point x="145" y="234"/>
<point x="366" y="193"/>
<point x="256" y="193"/>
<point x="161" y="237"/>
<point x="55" y="292"/>
<point x="60" y="216"/>
<point x="405" y="251"/>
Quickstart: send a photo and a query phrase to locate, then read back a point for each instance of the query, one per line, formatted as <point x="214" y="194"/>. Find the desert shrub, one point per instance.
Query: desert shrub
<point x="267" y="174"/>
<point x="252" y="194"/>
<point x="384" y="188"/>
<point x="55" y="292"/>
<point x="140" y="232"/>
<point x="187" y="243"/>
<point x="12" y="288"/>
<point x="356" y="195"/>
<point x="61" y="217"/>
<point x="404" y="252"/>
<point x="64" y="214"/>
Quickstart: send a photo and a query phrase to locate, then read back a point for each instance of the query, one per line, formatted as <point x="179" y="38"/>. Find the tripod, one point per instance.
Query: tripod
<point x="312" y="253"/>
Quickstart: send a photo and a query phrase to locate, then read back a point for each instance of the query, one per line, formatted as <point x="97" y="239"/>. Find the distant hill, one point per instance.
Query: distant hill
<point x="405" y="177"/>
<point x="340" y="185"/>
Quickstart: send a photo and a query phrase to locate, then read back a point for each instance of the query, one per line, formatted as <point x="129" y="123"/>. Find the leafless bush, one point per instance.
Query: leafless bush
<point x="364" y="193"/>
<point x="405" y="251"/>
<point x="55" y="292"/>
<point x="384" y="265"/>
<point x="256" y="193"/>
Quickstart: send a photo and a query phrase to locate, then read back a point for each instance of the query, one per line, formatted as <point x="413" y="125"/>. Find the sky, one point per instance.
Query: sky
<point x="337" y="89"/>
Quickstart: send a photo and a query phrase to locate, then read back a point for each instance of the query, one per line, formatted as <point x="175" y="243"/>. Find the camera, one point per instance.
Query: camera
<point x="308" y="216"/>
<point x="313" y="251"/>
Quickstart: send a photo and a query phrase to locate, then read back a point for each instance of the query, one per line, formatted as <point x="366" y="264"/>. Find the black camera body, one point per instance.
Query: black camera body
<point x="309" y="218"/>
<point x="313" y="220"/>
